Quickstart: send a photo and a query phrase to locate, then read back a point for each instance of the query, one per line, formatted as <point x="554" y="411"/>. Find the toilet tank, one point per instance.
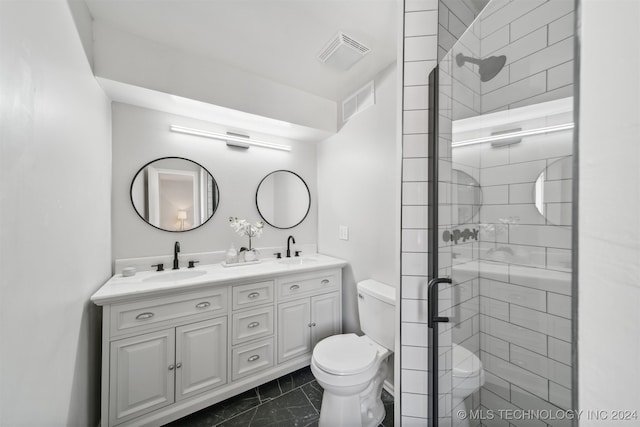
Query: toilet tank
<point x="376" y="310"/>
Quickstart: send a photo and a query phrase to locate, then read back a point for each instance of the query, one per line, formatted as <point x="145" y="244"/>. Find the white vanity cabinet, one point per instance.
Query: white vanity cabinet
<point x="156" y="369"/>
<point x="304" y="321"/>
<point x="200" y="365"/>
<point x="169" y="351"/>
<point x="140" y="379"/>
<point x="150" y="370"/>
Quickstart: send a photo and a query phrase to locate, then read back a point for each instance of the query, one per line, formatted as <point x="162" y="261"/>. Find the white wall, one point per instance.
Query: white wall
<point x="357" y="188"/>
<point x="141" y="135"/>
<point x="84" y="26"/>
<point x="55" y="234"/>
<point x="126" y="58"/>
<point x="609" y="216"/>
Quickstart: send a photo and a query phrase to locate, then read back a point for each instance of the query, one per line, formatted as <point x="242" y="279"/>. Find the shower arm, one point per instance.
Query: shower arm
<point x="461" y="59"/>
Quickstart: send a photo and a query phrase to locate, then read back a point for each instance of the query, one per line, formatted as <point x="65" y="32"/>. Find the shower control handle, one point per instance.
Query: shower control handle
<point x="432" y="309"/>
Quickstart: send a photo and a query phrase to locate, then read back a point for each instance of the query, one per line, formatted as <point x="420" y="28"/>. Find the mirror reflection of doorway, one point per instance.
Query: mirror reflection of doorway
<point x="173" y="198"/>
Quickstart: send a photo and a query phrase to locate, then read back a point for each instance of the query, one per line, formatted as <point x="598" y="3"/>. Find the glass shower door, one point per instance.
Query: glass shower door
<point x="501" y="209"/>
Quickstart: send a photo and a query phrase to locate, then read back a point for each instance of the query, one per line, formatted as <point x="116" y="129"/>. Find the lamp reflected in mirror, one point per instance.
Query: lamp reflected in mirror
<point x="182" y="215"/>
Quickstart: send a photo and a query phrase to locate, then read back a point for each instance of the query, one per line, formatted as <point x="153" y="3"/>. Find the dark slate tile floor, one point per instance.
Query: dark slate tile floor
<point x="291" y="400"/>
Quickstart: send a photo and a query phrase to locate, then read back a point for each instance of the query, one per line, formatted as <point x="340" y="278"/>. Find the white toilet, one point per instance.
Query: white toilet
<point x="352" y="369"/>
<point x="467" y="377"/>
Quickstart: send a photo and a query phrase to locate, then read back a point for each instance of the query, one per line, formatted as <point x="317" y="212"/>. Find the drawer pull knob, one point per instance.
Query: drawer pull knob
<point x="253" y="295"/>
<point x="171" y="367"/>
<point x="179" y="365"/>
<point x="253" y="324"/>
<point x="325" y="282"/>
<point x="253" y="358"/>
<point x="313" y="324"/>
<point x="294" y="287"/>
<point x="144" y="316"/>
<point x="203" y="304"/>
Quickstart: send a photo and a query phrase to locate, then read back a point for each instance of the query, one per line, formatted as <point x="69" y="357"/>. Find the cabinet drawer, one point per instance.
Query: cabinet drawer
<point x="248" y="325"/>
<point x="151" y="313"/>
<point x="252" y="358"/>
<point x="308" y="283"/>
<point x="253" y="294"/>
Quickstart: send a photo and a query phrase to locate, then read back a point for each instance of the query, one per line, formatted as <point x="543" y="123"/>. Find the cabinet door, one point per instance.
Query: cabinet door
<point x="201" y="357"/>
<point x="141" y="375"/>
<point x="294" y="332"/>
<point x="325" y="317"/>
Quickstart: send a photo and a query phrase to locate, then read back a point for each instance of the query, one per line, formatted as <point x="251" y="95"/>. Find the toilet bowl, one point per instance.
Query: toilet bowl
<point x="351" y="369"/>
<point x="352" y="381"/>
<point x="467" y="377"/>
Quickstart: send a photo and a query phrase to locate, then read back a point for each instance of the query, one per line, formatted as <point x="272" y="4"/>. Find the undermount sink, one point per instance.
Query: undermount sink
<point x="297" y="260"/>
<point x="174" y="276"/>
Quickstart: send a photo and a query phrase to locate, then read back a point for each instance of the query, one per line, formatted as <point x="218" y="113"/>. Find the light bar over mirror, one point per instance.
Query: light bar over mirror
<point x="510" y="135"/>
<point x="229" y="137"/>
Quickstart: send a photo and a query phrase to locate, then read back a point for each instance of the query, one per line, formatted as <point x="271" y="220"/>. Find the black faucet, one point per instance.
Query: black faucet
<point x="289" y="240"/>
<point x="176" y="250"/>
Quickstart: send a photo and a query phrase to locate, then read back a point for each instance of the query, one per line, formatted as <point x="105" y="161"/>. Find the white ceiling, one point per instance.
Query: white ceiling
<point x="275" y="39"/>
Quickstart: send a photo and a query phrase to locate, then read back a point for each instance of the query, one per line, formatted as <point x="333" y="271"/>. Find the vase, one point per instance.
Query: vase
<point x="250" y="255"/>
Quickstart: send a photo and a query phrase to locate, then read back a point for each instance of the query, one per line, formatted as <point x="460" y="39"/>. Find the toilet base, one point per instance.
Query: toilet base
<point x="457" y="403"/>
<point x="363" y="409"/>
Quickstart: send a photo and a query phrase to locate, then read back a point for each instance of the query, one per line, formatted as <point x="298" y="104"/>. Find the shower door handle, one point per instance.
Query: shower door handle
<point x="432" y="308"/>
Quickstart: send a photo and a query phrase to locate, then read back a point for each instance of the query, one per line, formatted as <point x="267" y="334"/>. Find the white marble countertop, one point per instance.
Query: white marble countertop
<point x="152" y="283"/>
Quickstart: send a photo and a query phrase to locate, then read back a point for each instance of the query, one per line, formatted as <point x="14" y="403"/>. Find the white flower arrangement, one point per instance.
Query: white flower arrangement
<point x="245" y="228"/>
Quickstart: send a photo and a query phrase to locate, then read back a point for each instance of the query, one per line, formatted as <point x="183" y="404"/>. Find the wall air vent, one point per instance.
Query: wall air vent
<point x="360" y="100"/>
<point x="342" y="51"/>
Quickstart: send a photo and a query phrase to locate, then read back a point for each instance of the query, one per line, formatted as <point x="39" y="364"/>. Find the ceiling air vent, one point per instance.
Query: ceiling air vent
<point x="342" y="51"/>
<point x="363" y="98"/>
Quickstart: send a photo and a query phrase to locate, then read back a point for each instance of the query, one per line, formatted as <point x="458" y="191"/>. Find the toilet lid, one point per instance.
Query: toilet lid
<point x="345" y="354"/>
<point x="465" y="363"/>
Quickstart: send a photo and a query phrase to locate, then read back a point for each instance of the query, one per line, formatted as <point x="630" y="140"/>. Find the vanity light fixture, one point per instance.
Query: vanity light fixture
<point x="233" y="143"/>
<point x="504" y="136"/>
<point x="230" y="138"/>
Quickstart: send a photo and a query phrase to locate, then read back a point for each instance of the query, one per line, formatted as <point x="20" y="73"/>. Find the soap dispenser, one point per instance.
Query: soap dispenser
<point x="232" y="255"/>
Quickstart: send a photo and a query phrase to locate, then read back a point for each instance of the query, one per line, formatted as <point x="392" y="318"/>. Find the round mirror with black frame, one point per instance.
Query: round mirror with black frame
<point x="283" y="199"/>
<point x="174" y="194"/>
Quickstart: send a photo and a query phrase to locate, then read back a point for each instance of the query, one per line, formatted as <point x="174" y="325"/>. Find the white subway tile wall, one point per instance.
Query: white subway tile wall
<point x="526" y="312"/>
<point x="537" y="38"/>
<point x="420" y="57"/>
<point x="511" y="298"/>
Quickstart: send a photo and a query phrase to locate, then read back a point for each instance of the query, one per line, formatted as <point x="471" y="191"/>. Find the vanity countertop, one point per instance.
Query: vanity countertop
<point x="152" y="283"/>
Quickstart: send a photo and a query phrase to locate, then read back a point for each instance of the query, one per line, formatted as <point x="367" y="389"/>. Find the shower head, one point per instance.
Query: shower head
<point x="488" y="68"/>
